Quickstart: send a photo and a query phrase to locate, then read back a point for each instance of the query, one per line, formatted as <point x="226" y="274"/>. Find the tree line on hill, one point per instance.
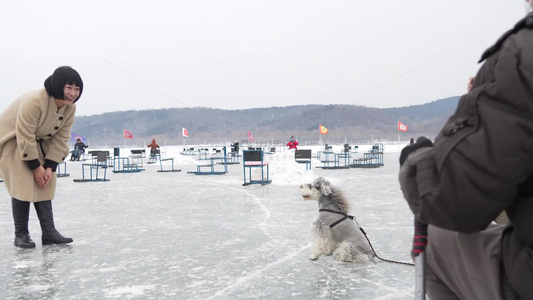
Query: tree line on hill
<point x="345" y="123"/>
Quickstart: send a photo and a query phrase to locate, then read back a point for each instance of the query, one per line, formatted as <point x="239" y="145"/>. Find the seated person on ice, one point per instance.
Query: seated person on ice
<point x="79" y="149"/>
<point x="153" y="147"/>
<point x="235" y="147"/>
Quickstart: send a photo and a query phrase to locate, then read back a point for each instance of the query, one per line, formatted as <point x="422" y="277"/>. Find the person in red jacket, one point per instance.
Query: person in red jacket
<point x="292" y="143"/>
<point x="153" y="147"/>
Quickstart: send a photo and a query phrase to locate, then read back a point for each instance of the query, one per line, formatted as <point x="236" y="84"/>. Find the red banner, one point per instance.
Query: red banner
<point x="128" y="134"/>
<point x="402" y="126"/>
<point x="251" y="137"/>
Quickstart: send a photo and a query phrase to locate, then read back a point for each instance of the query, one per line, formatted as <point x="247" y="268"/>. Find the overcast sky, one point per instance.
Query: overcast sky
<point x="150" y="54"/>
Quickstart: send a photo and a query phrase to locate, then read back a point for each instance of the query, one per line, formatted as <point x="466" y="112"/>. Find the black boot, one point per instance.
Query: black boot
<point x="46" y="218"/>
<point x="21" y="213"/>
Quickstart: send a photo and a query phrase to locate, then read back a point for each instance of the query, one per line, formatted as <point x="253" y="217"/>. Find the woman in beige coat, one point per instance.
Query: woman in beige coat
<point x="34" y="135"/>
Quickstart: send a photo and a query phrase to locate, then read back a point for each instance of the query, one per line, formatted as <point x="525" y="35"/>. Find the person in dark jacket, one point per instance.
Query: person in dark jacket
<point x="235" y="148"/>
<point x="79" y="149"/>
<point x="480" y="166"/>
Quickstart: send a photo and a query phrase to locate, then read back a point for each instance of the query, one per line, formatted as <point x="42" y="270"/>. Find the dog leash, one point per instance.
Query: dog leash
<point x="346" y="216"/>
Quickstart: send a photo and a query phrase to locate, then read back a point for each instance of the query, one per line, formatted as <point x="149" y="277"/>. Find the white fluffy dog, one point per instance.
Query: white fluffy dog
<point x="334" y="232"/>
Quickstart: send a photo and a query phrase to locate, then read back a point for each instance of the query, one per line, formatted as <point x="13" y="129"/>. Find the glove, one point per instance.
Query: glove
<point x="420" y="238"/>
<point x="421" y="142"/>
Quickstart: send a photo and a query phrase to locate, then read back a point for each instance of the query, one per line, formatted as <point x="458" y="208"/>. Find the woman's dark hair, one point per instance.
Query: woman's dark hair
<point x="55" y="83"/>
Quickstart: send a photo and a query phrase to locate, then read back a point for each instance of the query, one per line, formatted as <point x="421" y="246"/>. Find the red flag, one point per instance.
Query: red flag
<point x="128" y="134"/>
<point x="323" y="129"/>
<point x="185" y="132"/>
<point x="402" y="126"/>
<point x="251" y="137"/>
<point x="74" y="137"/>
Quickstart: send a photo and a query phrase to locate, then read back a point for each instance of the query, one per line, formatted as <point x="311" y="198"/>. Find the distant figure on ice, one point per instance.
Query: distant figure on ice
<point x="292" y="143"/>
<point x="153" y="147"/>
<point x="34" y="135"/>
<point x="412" y="141"/>
<point x="79" y="149"/>
<point x="479" y="166"/>
<point x="235" y="147"/>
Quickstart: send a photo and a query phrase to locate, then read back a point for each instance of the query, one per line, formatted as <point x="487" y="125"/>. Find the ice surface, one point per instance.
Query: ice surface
<point x="153" y="235"/>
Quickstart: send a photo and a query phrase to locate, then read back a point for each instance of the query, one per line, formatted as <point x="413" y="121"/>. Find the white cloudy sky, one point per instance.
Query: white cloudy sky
<point x="233" y="54"/>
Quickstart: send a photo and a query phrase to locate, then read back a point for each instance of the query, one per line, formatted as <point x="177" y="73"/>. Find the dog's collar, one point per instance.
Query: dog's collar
<point x="337" y="212"/>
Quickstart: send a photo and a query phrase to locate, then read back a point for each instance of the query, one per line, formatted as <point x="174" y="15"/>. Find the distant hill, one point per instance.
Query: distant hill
<point x="269" y="125"/>
<point x="427" y="111"/>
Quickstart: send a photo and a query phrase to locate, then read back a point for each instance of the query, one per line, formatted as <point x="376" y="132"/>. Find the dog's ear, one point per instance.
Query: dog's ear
<point x="325" y="189"/>
<point x="323" y="186"/>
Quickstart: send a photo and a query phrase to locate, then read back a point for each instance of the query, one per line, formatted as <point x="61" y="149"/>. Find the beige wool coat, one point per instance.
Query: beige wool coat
<point x="32" y="127"/>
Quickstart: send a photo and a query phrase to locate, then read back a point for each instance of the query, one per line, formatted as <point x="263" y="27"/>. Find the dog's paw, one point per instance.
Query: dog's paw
<point x="313" y="257"/>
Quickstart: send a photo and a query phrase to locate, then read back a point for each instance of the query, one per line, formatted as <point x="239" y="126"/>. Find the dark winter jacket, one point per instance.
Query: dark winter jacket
<point x="80" y="146"/>
<point x="482" y="160"/>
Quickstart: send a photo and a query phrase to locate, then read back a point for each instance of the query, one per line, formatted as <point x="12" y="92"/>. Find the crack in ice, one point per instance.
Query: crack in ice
<point x="257" y="273"/>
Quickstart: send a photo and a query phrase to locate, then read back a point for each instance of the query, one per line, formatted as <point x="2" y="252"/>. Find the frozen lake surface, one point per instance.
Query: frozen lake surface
<point x="153" y="235"/>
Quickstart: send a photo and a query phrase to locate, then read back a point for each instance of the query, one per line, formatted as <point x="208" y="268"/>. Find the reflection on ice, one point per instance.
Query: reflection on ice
<point x="153" y="235"/>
